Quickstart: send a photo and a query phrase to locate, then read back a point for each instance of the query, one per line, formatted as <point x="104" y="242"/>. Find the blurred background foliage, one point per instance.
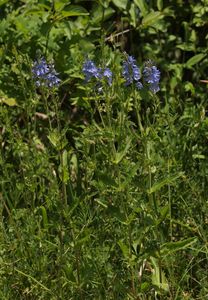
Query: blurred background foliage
<point x="80" y="218"/>
<point x="174" y="33"/>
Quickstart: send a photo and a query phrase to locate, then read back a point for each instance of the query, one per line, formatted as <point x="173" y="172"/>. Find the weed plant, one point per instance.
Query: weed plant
<point x="103" y="159"/>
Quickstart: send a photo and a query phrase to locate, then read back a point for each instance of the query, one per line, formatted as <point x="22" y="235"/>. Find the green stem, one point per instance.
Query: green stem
<point x="170" y="205"/>
<point x="137" y="111"/>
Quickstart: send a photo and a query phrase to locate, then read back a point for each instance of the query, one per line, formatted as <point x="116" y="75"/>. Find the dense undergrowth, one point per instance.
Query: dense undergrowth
<point x="103" y="166"/>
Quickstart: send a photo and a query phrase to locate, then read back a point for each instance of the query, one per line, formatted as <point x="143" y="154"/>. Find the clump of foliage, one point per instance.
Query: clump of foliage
<point x="103" y="149"/>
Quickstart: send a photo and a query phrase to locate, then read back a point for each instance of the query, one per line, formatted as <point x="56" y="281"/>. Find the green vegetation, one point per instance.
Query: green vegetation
<point x="104" y="186"/>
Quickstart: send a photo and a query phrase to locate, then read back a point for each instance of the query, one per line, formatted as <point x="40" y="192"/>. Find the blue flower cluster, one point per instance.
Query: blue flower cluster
<point x="130" y="71"/>
<point x="45" y="74"/>
<point x="91" y="71"/>
<point x="152" y="77"/>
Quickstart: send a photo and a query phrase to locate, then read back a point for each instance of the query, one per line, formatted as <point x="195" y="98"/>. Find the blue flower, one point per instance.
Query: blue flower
<point x="139" y="85"/>
<point x="152" y="76"/>
<point x="53" y="80"/>
<point x="90" y="70"/>
<point x="131" y="72"/>
<point x="107" y="73"/>
<point x="45" y="74"/>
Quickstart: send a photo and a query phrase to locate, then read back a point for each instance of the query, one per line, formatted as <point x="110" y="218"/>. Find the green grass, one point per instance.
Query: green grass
<point x="103" y="193"/>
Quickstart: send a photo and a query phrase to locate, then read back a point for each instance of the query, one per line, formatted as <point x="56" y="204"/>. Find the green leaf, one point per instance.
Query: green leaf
<point x="59" y="5"/>
<point x="144" y="286"/>
<point x="119" y="155"/>
<point x="186" y="46"/>
<point x="2" y="2"/>
<point x="169" y="248"/>
<point x="99" y="16"/>
<point x="168" y="180"/>
<point x="120" y="3"/>
<point x="132" y="13"/>
<point x="73" y="11"/>
<point x="8" y="101"/>
<point x="163" y="214"/>
<point x="158" y="276"/>
<point x="86" y="45"/>
<point x="57" y="139"/>
<point x="44" y="216"/>
<point x="160" y="4"/>
<point x="152" y="18"/>
<point x="199" y="156"/>
<point x="106" y="179"/>
<point x="189" y="87"/>
<point x="142" y="5"/>
<point x="124" y="249"/>
<point x="194" y="60"/>
<point x="54" y="138"/>
<point x="64" y="167"/>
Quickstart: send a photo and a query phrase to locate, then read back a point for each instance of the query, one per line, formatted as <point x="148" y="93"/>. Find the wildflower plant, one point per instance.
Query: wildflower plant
<point x="103" y="183"/>
<point x="45" y="74"/>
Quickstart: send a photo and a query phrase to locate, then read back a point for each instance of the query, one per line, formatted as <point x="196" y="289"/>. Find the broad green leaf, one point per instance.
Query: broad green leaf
<point x="152" y="18"/>
<point x="8" y="101"/>
<point x="99" y="16"/>
<point x="120" y="3"/>
<point x="124" y="249"/>
<point x="132" y="13"/>
<point x="73" y="11"/>
<point x="160" y="4"/>
<point x="57" y="140"/>
<point x="120" y="155"/>
<point x="199" y="156"/>
<point x="86" y="45"/>
<point x="189" y="87"/>
<point x="2" y="2"/>
<point x="163" y="214"/>
<point x="158" y="276"/>
<point x="194" y="60"/>
<point x="59" y="5"/>
<point x="169" y="248"/>
<point x="39" y="9"/>
<point x="142" y="5"/>
<point x="168" y="180"/>
<point x="54" y="138"/>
